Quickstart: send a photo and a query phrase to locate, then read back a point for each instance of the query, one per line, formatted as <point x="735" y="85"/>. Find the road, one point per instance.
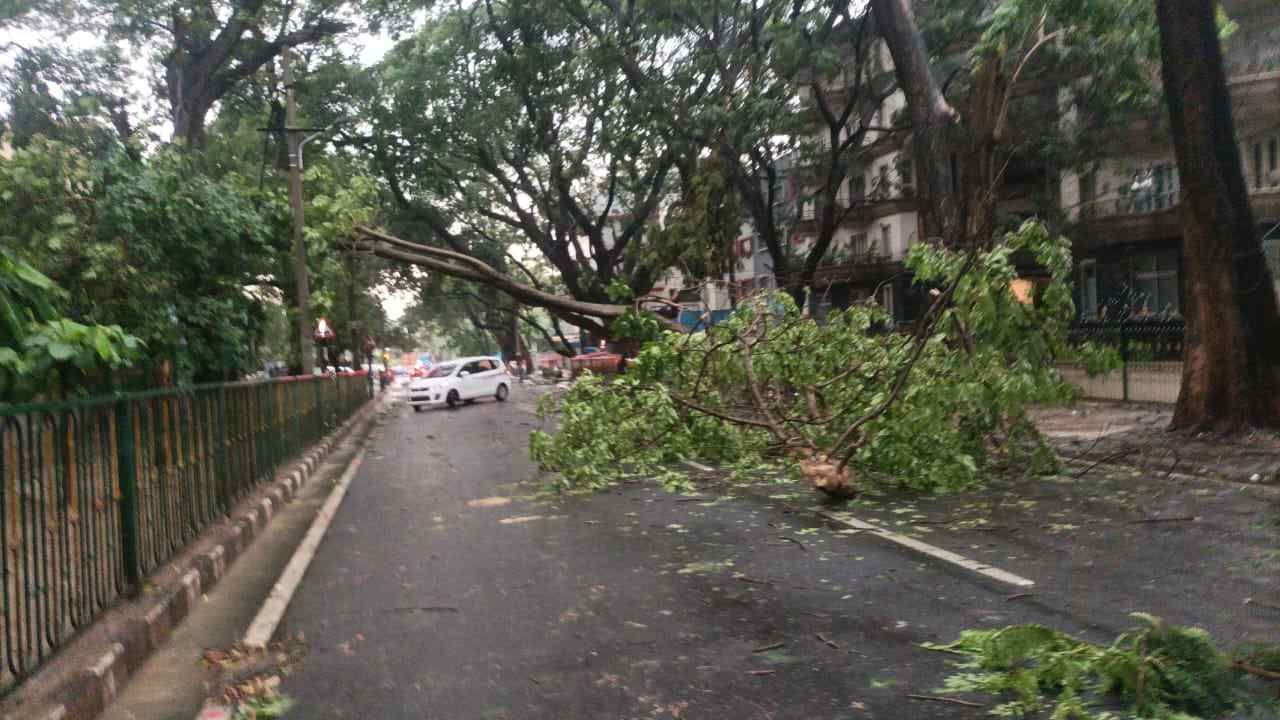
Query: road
<point x="444" y="591"/>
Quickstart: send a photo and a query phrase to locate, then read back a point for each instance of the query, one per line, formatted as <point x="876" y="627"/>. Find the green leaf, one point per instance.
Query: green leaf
<point x="61" y="351"/>
<point x="103" y="344"/>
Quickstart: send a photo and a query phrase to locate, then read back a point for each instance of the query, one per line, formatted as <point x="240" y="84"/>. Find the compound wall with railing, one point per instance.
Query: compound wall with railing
<point x="95" y="494"/>
<point x="1150" y="360"/>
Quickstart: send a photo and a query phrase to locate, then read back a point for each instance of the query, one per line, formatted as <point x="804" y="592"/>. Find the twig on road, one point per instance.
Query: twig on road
<point x="797" y="542"/>
<point x="762" y="672"/>
<point x="1089" y="449"/>
<point x="754" y="581"/>
<point x="1181" y="518"/>
<point x="827" y="641"/>
<point x="1103" y="459"/>
<point x="953" y="701"/>
<point x="767" y="648"/>
<point x="1019" y="596"/>
<point x="1253" y="670"/>
<point x="1251" y="601"/>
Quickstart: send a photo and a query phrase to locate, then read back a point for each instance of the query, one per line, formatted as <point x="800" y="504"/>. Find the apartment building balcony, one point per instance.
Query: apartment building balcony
<point x="1144" y="217"/>
<point x="855" y="268"/>
<point x="856" y="211"/>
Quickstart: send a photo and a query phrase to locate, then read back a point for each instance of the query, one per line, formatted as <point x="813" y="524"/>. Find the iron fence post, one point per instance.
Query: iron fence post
<point x="126" y="472"/>
<point x="224" y="470"/>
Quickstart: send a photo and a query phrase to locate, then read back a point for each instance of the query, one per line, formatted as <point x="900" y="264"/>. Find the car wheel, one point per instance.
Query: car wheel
<point x="417" y="408"/>
<point x="501" y="395"/>
<point x="452" y="399"/>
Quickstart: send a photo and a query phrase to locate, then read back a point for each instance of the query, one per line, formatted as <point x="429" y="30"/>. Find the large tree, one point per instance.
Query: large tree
<point x="511" y="115"/>
<point x="1014" y="56"/>
<point x="1231" y="358"/>
<point x="206" y="49"/>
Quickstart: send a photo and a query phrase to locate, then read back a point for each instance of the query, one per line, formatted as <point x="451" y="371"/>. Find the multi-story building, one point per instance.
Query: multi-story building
<point x="1122" y="211"/>
<point x="1126" y="228"/>
<point x="876" y="207"/>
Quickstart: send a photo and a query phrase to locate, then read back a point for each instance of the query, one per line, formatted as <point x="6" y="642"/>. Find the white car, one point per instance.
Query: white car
<point x="455" y="381"/>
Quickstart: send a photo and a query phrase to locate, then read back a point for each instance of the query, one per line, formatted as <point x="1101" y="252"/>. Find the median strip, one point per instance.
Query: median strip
<point x="924" y="548"/>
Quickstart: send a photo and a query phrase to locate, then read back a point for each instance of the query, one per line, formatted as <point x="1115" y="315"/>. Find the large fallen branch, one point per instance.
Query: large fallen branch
<point x="847" y="401"/>
<point x="591" y="316"/>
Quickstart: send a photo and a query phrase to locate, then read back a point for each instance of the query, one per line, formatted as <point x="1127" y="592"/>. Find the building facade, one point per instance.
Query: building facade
<point x="1124" y="211"/>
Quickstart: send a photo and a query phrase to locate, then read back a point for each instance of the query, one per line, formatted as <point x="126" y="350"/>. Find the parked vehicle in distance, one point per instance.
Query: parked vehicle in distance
<point x="598" y="362"/>
<point x="463" y="380"/>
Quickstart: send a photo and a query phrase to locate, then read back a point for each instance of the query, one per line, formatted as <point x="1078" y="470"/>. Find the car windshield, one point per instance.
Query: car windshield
<point x="442" y="370"/>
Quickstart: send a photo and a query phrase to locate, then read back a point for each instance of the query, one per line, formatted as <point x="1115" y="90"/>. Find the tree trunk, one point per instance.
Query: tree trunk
<point x="188" y="122"/>
<point x="937" y="137"/>
<point x="1231" y="356"/>
<point x="956" y="157"/>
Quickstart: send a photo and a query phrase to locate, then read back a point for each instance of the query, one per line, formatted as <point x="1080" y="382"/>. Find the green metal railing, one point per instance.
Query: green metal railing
<point x="95" y="494"/>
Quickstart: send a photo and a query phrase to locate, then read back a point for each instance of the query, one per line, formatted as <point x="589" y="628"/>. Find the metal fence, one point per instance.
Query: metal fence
<point x="97" y="493"/>
<point x="1150" y="359"/>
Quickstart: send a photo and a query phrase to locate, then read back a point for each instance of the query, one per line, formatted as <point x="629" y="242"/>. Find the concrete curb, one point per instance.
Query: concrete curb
<point x="84" y="689"/>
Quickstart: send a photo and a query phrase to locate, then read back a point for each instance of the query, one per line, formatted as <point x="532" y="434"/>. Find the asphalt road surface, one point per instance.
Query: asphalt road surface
<point x="444" y="591"/>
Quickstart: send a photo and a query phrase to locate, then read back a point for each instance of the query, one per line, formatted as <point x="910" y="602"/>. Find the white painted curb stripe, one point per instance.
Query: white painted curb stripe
<point x="924" y="548"/>
<point x="273" y="608"/>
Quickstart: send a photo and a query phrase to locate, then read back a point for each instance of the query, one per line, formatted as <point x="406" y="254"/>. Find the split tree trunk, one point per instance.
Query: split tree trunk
<point x="1231" y="356"/>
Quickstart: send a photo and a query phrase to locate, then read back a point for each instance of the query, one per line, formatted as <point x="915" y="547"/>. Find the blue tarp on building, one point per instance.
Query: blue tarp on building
<point x="694" y="319"/>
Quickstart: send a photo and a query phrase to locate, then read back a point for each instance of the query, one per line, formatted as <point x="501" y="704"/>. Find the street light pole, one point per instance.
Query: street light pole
<point x="301" y="278"/>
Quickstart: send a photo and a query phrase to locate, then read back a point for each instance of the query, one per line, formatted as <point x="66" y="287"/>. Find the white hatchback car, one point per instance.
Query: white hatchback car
<point x="455" y="381"/>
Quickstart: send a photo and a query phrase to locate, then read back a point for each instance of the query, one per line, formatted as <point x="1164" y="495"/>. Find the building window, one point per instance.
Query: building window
<point x="1257" y="165"/>
<point x="904" y="172"/>
<point x="858" y="188"/>
<point x="1155" y="285"/>
<point x="1273" y="176"/>
<point x="882" y="182"/>
<point x="858" y="244"/>
<point x="886" y="300"/>
<point x="1087" y="287"/>
<point x="1166" y="185"/>
<point x="886" y="237"/>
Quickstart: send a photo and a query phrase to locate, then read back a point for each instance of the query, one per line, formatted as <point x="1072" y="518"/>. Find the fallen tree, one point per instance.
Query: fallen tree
<point x="594" y="317"/>
<point x="841" y="404"/>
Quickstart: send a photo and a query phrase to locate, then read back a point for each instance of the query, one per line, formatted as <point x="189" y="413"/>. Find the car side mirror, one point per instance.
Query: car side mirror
<point x="463" y="374"/>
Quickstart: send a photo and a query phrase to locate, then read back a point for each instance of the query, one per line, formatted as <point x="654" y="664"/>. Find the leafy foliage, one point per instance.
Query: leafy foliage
<point x="36" y="341"/>
<point x="769" y="385"/>
<point x="157" y="247"/>
<point x="1155" y="671"/>
<point x="700" y="230"/>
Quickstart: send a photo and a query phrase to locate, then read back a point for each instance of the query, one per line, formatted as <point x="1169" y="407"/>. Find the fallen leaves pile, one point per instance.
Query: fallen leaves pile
<point x="247" y="680"/>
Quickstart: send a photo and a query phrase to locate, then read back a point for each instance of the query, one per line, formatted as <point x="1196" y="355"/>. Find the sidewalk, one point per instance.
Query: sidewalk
<point x="1134" y="435"/>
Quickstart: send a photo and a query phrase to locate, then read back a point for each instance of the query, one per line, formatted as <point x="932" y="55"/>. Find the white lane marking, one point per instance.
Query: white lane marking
<point x="924" y="548"/>
<point x="273" y="608"/>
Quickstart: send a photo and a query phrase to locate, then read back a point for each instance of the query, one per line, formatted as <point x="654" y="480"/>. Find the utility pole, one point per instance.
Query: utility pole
<point x="301" y="279"/>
